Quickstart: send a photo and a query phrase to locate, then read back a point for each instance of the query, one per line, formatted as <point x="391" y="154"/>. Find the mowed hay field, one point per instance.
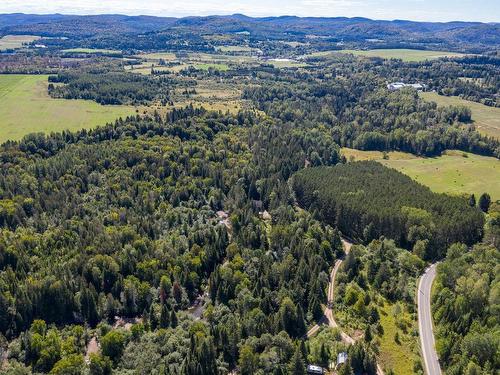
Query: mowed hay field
<point x="403" y="54"/>
<point x="486" y="119"/>
<point x="92" y="51"/>
<point x="26" y="107"/>
<point x="451" y="173"/>
<point x="16" y="41"/>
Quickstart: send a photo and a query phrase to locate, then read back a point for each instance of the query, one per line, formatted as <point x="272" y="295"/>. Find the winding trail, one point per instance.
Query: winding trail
<point x="425" y="322"/>
<point x="328" y="317"/>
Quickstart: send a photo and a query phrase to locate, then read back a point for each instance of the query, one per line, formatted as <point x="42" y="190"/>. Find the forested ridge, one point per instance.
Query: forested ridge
<point x="146" y="33"/>
<point x="366" y="200"/>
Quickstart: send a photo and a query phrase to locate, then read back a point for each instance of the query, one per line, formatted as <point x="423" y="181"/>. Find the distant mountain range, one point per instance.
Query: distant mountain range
<point x="339" y="28"/>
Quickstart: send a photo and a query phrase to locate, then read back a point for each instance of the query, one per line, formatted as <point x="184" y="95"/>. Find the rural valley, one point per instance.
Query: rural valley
<point x="248" y="195"/>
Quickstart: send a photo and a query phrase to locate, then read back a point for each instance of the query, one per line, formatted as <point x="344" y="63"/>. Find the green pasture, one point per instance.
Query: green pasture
<point x="26" y="107"/>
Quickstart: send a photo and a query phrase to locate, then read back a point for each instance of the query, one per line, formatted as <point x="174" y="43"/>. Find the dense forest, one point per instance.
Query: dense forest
<point x="108" y="87"/>
<point x="124" y="222"/>
<point x="354" y="103"/>
<point x="467" y="308"/>
<point x="366" y="200"/>
<point x="210" y="232"/>
<point x="475" y="78"/>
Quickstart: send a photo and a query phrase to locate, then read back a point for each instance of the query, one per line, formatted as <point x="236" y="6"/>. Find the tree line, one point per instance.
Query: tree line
<point x="366" y="200"/>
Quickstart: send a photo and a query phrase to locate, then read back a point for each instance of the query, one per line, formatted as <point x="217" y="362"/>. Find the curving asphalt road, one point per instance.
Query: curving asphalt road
<point x="425" y="322"/>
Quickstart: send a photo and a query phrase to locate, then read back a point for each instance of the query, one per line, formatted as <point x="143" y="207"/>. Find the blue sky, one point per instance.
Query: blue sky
<point x="419" y="10"/>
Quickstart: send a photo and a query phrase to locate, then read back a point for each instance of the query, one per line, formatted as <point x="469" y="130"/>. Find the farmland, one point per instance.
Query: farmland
<point x="25" y="107"/>
<point x="235" y="49"/>
<point x="453" y="173"/>
<point x="486" y="119"/>
<point x="91" y="51"/>
<point x="16" y="41"/>
<point x="403" y="54"/>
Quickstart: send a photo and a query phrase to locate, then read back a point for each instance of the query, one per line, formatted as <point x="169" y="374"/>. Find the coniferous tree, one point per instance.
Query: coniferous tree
<point x="484" y="202"/>
<point x="297" y="365"/>
<point x="164" y="316"/>
<point x="472" y="200"/>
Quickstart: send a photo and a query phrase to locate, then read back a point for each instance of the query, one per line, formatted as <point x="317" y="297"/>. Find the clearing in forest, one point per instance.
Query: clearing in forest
<point x="92" y="51"/>
<point x="16" y="41"/>
<point x="403" y="54"/>
<point x="26" y="107"/>
<point x="486" y="119"/>
<point x="397" y="345"/>
<point x="454" y="172"/>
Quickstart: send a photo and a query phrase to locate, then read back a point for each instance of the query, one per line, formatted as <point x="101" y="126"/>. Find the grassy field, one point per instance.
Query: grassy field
<point x="25" y="107"/>
<point x="403" y="54"/>
<point x="91" y="51"/>
<point x="286" y="63"/>
<point x="167" y="56"/>
<point x="397" y="356"/>
<point x="486" y="119"/>
<point x="452" y="173"/>
<point x="235" y="49"/>
<point x="207" y="66"/>
<point x="202" y="61"/>
<point x="16" y="41"/>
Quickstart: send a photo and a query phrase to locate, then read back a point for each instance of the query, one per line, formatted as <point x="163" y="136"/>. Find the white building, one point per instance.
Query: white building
<point x="341" y="358"/>
<point x="399" y="85"/>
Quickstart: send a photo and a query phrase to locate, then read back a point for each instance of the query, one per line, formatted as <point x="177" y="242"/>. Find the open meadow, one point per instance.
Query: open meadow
<point x="91" y="51"/>
<point x="403" y="54"/>
<point x="486" y="119"/>
<point x="16" y="41"/>
<point x="455" y="172"/>
<point x="26" y="107"/>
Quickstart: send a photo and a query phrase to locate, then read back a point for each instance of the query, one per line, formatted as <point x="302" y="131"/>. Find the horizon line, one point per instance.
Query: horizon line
<point x="241" y="14"/>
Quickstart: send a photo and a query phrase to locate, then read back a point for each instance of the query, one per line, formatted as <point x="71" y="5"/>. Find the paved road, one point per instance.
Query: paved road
<point x="425" y="322"/>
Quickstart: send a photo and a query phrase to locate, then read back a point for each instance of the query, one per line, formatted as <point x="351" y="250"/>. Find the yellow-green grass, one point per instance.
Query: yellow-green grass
<point x="91" y="51"/>
<point x="25" y="107"/>
<point x="455" y="172"/>
<point x="403" y="54"/>
<point x="287" y="63"/>
<point x="167" y="56"/>
<point x="399" y="357"/>
<point x="207" y="66"/>
<point x="358" y="155"/>
<point x="145" y="68"/>
<point x="486" y="119"/>
<point x="295" y="44"/>
<point x="220" y="58"/>
<point x="16" y="41"/>
<point x="235" y="49"/>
